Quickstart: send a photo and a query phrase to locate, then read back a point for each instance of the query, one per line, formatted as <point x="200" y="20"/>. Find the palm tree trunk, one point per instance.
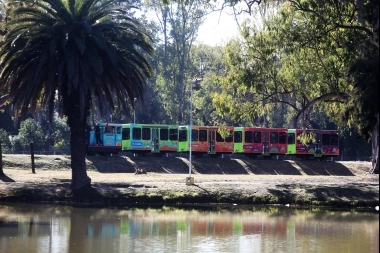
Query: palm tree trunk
<point x="77" y="123"/>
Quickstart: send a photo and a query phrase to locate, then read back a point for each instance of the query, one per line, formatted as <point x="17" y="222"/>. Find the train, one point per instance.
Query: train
<point x="252" y="142"/>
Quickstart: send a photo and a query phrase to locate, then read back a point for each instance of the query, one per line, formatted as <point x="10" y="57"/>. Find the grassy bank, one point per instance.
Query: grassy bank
<point x="217" y="182"/>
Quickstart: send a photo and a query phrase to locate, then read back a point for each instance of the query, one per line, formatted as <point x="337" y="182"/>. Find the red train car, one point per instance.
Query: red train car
<point x="321" y="143"/>
<point x="253" y="142"/>
<point x="205" y="140"/>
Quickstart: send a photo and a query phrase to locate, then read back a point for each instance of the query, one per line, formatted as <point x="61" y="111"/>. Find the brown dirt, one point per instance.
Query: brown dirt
<point x="222" y="181"/>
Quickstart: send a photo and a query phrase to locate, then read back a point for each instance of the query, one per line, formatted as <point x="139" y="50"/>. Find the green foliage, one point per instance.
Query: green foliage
<point x="5" y="142"/>
<point x="31" y="132"/>
<point x="223" y="131"/>
<point x="17" y="145"/>
<point x="364" y="103"/>
<point x="61" y="135"/>
<point x="353" y="146"/>
<point x="307" y="138"/>
<point x="76" y="54"/>
<point x="300" y="59"/>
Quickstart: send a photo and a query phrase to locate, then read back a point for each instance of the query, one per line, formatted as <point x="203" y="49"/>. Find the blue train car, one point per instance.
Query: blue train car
<point x="105" y="139"/>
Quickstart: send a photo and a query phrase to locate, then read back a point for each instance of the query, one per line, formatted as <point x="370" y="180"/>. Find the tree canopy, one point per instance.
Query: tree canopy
<point x="76" y="54"/>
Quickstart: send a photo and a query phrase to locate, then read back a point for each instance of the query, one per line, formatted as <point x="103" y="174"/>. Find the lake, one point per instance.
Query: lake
<point x="39" y="228"/>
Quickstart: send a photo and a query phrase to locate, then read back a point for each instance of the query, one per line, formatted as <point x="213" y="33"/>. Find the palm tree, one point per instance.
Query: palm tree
<point x="76" y="52"/>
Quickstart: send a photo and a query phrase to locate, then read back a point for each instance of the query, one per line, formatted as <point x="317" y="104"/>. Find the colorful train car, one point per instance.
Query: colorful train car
<point x="141" y="139"/>
<point x="265" y="142"/>
<point x="109" y="139"/>
<point x="205" y="140"/>
<point x="253" y="142"/>
<point x="320" y="144"/>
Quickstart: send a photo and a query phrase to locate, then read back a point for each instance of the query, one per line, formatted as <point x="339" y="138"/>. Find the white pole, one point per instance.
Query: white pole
<point x="191" y="127"/>
<point x="134" y="112"/>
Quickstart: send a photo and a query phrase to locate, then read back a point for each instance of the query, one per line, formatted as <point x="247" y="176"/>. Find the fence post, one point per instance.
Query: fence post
<point x="32" y="157"/>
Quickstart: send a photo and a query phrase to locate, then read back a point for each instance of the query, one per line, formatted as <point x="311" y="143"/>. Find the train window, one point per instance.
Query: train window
<point x="237" y="136"/>
<point x="219" y="137"/>
<point x="334" y="139"/>
<point x="164" y="134"/>
<point x="202" y="135"/>
<point x="182" y="135"/>
<point x="109" y="130"/>
<point x="173" y="134"/>
<point x="282" y="138"/>
<point x="229" y="138"/>
<point x="325" y="139"/>
<point x="145" y="134"/>
<point x="126" y="134"/>
<point x="136" y="133"/>
<point x="273" y="137"/>
<point x="257" y="137"/>
<point x="118" y="130"/>
<point x="194" y="135"/>
<point x="291" y="139"/>
<point x="248" y="137"/>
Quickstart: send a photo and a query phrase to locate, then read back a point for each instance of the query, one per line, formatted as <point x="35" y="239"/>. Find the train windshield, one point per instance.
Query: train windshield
<point x="237" y="136"/>
<point x="126" y="134"/>
<point x="182" y="135"/>
<point x="291" y="139"/>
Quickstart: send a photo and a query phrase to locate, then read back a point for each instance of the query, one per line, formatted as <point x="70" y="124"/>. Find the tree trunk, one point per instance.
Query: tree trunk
<point x="375" y="147"/>
<point x="77" y="123"/>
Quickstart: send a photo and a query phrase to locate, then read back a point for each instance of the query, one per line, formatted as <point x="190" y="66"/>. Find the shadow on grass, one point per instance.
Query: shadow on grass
<point x="272" y="167"/>
<point x="324" y="168"/>
<point x="207" y="165"/>
<point x="5" y="178"/>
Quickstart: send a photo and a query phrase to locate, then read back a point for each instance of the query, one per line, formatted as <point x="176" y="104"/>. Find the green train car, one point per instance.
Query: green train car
<point x="142" y="139"/>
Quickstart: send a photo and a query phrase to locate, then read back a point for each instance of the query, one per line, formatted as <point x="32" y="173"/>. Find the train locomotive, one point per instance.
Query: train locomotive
<point x="252" y="142"/>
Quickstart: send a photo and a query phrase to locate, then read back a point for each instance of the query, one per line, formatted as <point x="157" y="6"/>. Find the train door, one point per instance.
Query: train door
<point x="109" y="136"/>
<point x="155" y="140"/>
<point x="118" y="135"/>
<point x="265" y="143"/>
<point x="126" y="138"/>
<point x="318" y="146"/>
<point x="291" y="141"/>
<point x="183" y="139"/>
<point x="211" y="141"/>
<point x="238" y="140"/>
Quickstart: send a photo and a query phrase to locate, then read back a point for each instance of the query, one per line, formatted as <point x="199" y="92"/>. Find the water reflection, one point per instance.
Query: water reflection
<point x="48" y="228"/>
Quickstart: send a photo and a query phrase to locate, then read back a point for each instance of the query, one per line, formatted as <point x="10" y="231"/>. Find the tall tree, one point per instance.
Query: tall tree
<point x="276" y="66"/>
<point x="82" y="52"/>
<point x="179" y="22"/>
<point x="354" y="17"/>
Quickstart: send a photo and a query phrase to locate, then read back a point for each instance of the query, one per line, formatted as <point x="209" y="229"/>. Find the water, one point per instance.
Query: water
<point x="58" y="229"/>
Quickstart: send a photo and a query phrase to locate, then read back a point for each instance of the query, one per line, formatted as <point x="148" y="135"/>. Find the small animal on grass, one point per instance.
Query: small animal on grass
<point x="140" y="171"/>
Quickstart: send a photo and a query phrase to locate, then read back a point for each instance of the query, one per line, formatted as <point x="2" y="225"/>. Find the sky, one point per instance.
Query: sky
<point x="217" y="30"/>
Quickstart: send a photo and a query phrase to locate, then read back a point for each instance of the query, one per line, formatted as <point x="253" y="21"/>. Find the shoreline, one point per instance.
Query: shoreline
<point x="114" y="182"/>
